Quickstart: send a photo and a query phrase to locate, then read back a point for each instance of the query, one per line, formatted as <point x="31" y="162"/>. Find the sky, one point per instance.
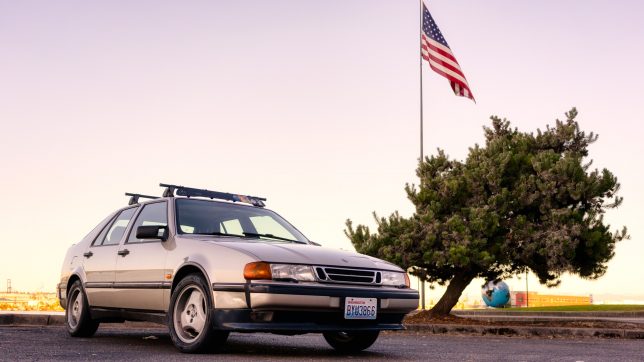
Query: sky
<point x="311" y="104"/>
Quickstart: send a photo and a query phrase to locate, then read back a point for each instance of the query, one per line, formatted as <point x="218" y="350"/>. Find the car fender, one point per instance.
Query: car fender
<point x="63" y="286"/>
<point x="194" y="260"/>
<point x="218" y="264"/>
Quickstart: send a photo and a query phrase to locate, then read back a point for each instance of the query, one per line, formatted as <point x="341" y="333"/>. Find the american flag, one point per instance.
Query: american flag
<point x="434" y="49"/>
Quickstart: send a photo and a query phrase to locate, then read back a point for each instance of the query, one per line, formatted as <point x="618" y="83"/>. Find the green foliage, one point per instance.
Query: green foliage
<point x="521" y="201"/>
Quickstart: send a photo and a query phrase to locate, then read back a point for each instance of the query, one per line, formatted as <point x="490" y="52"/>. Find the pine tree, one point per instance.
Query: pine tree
<point x="523" y="201"/>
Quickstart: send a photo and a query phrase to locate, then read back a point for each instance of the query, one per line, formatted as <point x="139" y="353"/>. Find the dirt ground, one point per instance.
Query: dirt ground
<point x="425" y="317"/>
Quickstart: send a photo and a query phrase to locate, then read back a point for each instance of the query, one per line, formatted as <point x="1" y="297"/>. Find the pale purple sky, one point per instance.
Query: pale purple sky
<point x="313" y="104"/>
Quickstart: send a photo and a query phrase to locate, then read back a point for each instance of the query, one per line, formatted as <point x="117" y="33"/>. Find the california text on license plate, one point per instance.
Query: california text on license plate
<point x="360" y="308"/>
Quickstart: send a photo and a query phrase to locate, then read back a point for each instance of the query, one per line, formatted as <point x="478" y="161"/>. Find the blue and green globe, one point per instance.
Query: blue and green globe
<point x="496" y="293"/>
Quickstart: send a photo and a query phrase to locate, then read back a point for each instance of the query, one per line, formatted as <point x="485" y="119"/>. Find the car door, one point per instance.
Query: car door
<point x="140" y="278"/>
<point x="99" y="260"/>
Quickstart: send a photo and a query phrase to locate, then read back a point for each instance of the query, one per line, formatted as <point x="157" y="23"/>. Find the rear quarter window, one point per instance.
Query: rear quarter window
<point x="113" y="233"/>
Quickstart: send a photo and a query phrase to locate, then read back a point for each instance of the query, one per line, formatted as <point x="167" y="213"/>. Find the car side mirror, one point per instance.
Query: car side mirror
<point x="152" y="232"/>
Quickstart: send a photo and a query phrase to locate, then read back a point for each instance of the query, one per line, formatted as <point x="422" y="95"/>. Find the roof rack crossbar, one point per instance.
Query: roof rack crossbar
<point x="193" y="192"/>
<point x="134" y="198"/>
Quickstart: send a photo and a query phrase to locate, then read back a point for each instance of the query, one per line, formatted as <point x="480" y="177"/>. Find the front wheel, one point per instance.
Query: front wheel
<point x="351" y="342"/>
<point x="77" y="316"/>
<point x="190" y="317"/>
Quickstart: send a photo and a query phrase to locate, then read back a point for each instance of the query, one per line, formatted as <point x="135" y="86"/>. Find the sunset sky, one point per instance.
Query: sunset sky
<point x="312" y="104"/>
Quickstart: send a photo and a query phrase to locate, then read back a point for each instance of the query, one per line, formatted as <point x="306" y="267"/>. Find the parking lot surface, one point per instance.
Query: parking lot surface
<point x="114" y="342"/>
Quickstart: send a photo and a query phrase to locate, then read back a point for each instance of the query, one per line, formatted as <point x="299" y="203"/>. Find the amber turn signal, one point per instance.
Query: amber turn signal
<point x="407" y="283"/>
<point x="257" y="270"/>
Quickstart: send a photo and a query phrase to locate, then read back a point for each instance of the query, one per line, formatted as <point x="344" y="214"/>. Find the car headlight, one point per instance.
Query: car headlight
<point x="303" y="273"/>
<point x="261" y="270"/>
<point x="396" y="279"/>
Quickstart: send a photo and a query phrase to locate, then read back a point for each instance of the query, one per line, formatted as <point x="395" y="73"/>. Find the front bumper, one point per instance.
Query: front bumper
<point x="300" y="321"/>
<point x="300" y="308"/>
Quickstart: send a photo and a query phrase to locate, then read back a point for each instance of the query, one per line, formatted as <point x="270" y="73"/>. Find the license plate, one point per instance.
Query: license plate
<point x="360" y="308"/>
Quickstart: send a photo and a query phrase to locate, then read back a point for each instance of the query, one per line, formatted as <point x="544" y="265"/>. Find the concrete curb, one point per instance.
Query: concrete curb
<point x="526" y="331"/>
<point x="20" y="319"/>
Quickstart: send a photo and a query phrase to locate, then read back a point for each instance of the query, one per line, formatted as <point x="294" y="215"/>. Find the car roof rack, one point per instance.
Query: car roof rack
<point x="193" y="192"/>
<point x="134" y="198"/>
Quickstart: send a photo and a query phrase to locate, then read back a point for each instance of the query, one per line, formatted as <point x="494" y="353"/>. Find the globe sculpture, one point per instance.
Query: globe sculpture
<point x="496" y="293"/>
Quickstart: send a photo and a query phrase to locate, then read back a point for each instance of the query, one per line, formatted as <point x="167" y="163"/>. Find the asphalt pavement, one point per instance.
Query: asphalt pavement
<point x="633" y="331"/>
<point x="114" y="342"/>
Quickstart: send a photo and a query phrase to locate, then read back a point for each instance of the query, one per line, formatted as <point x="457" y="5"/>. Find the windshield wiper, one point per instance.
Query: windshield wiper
<point x="250" y="235"/>
<point x="256" y="235"/>
<point x="217" y="233"/>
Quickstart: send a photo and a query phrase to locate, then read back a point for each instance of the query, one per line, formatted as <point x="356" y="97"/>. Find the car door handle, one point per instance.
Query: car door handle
<point x="88" y="254"/>
<point x="123" y="252"/>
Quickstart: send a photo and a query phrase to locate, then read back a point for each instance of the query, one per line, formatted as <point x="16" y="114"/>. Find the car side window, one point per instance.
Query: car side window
<point x="152" y="214"/>
<point x="117" y="229"/>
<point x="101" y="236"/>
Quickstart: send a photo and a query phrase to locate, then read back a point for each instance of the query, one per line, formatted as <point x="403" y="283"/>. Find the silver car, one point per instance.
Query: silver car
<point x="208" y="263"/>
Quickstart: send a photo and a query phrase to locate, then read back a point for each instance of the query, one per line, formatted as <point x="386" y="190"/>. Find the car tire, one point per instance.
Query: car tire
<point x="190" y="317"/>
<point x="351" y="342"/>
<point x="77" y="315"/>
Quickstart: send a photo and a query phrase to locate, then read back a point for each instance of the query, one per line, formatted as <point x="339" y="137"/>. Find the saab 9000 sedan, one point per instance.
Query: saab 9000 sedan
<point x="208" y="263"/>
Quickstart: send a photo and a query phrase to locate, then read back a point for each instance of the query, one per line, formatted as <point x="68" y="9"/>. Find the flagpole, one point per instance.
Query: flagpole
<point x="420" y="58"/>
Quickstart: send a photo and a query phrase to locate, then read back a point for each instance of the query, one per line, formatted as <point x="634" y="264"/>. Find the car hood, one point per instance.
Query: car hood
<point x="291" y="253"/>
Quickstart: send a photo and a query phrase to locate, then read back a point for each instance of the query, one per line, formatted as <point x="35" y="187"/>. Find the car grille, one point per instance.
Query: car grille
<point x="344" y="275"/>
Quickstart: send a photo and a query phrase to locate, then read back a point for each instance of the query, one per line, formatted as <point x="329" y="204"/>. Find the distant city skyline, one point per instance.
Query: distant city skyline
<point x="311" y="104"/>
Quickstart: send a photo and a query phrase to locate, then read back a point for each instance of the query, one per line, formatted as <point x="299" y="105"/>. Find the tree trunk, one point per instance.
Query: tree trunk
<point x="454" y="290"/>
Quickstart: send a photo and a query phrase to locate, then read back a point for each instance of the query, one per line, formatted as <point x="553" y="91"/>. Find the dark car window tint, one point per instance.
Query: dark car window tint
<point x="117" y="229"/>
<point x="152" y="214"/>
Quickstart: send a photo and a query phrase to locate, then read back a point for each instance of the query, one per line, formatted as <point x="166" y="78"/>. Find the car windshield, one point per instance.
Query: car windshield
<point x="226" y="219"/>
